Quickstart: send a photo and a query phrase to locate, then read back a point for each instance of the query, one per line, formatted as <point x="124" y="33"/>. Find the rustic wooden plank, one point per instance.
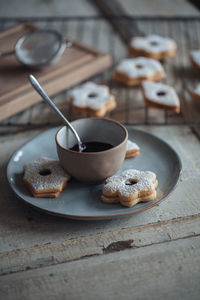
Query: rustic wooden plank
<point x="23" y="227"/>
<point x="166" y="271"/>
<point x="99" y="244"/>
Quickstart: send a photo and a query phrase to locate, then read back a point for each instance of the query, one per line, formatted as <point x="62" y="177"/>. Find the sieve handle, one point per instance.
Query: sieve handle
<point x="2" y="54"/>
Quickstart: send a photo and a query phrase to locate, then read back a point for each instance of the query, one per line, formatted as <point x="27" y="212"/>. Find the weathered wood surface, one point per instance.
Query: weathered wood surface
<point x="138" y="273"/>
<point x="99" y="244"/>
<point x="150" y="255"/>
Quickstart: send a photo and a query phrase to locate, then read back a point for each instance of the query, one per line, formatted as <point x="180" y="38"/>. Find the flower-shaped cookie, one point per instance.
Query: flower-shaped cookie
<point x="45" y="178"/>
<point x="132" y="71"/>
<point x="130" y="187"/>
<point x="92" y="99"/>
<point x="132" y="149"/>
<point x="160" y="95"/>
<point x="153" y="46"/>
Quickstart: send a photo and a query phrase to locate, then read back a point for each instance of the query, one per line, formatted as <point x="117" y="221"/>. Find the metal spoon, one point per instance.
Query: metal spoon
<point x="42" y="93"/>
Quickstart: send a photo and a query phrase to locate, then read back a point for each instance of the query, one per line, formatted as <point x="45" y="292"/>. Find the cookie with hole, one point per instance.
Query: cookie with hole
<point x="45" y="178"/>
<point x="161" y="96"/>
<point x="153" y="46"/>
<point x="130" y="187"/>
<point x="132" y="71"/>
<point x="92" y="100"/>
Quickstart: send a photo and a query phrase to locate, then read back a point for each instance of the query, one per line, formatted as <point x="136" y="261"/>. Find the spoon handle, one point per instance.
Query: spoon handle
<point x="42" y="93"/>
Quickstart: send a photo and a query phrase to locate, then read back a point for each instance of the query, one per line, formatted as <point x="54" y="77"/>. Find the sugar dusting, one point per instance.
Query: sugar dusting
<point x="53" y="181"/>
<point x="147" y="67"/>
<point x="81" y="95"/>
<point x="153" y="43"/>
<point x="116" y="185"/>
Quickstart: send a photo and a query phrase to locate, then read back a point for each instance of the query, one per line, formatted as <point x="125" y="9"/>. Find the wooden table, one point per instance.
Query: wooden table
<point x="151" y="255"/>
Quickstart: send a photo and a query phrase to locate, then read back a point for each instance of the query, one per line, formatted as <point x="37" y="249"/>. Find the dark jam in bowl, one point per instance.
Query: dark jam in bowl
<point x="93" y="147"/>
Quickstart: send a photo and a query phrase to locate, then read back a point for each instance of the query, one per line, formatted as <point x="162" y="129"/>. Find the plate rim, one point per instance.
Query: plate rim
<point x="99" y="217"/>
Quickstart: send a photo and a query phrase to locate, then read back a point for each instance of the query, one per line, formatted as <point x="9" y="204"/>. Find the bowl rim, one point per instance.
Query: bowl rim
<point x="93" y="153"/>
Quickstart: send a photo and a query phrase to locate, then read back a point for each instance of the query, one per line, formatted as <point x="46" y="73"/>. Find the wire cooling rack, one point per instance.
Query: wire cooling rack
<point x="99" y="33"/>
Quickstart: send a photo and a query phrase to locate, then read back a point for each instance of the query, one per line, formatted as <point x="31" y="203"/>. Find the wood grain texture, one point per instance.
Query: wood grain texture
<point x="163" y="271"/>
<point x="151" y="255"/>
<point x="99" y="244"/>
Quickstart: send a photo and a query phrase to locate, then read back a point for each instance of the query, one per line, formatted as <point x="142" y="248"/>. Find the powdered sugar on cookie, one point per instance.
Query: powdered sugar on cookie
<point x="130" y="187"/>
<point x="195" y="56"/>
<point x="132" y="149"/>
<point x="140" y="67"/>
<point x="45" y="175"/>
<point x="90" y="95"/>
<point x="153" y="43"/>
<point x="131" y="145"/>
<point x="160" y="92"/>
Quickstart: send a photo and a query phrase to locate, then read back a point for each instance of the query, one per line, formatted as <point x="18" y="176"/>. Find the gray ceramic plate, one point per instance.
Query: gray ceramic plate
<point x="80" y="201"/>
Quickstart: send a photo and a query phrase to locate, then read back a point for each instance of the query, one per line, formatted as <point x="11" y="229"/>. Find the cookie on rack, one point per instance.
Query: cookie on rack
<point x="196" y="93"/>
<point x="160" y="95"/>
<point x="132" y="71"/>
<point x="92" y="99"/>
<point x="153" y="46"/>
<point x="130" y="187"/>
<point x="195" y="59"/>
<point x="45" y="178"/>
<point x="132" y="149"/>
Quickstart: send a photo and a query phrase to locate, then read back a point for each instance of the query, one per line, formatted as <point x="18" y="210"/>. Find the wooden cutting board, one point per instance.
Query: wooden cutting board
<point x="76" y="64"/>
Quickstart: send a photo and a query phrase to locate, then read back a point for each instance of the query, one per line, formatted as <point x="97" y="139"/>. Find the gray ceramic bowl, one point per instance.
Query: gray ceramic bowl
<point x="92" y="167"/>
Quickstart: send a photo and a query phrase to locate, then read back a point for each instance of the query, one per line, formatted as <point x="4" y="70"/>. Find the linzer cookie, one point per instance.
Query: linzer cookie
<point x="196" y="93"/>
<point x="130" y="187"/>
<point x="195" y="59"/>
<point x="160" y="96"/>
<point x="132" y="149"/>
<point x="153" y="46"/>
<point x="92" y="99"/>
<point x="45" y="178"/>
<point x="132" y="71"/>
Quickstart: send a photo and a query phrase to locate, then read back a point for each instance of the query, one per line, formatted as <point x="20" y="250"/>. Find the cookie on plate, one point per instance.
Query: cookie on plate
<point x="153" y="46"/>
<point x="195" y="59"/>
<point x="92" y="99"/>
<point x="132" y="71"/>
<point x="45" y="178"/>
<point x="132" y="149"/>
<point x="130" y="187"/>
<point x="160" y="95"/>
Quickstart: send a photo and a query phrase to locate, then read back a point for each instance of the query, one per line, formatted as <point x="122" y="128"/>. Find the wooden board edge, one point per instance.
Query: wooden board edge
<point x="101" y="63"/>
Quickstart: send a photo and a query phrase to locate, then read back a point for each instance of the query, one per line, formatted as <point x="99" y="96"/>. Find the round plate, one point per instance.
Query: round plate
<point x="81" y="201"/>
